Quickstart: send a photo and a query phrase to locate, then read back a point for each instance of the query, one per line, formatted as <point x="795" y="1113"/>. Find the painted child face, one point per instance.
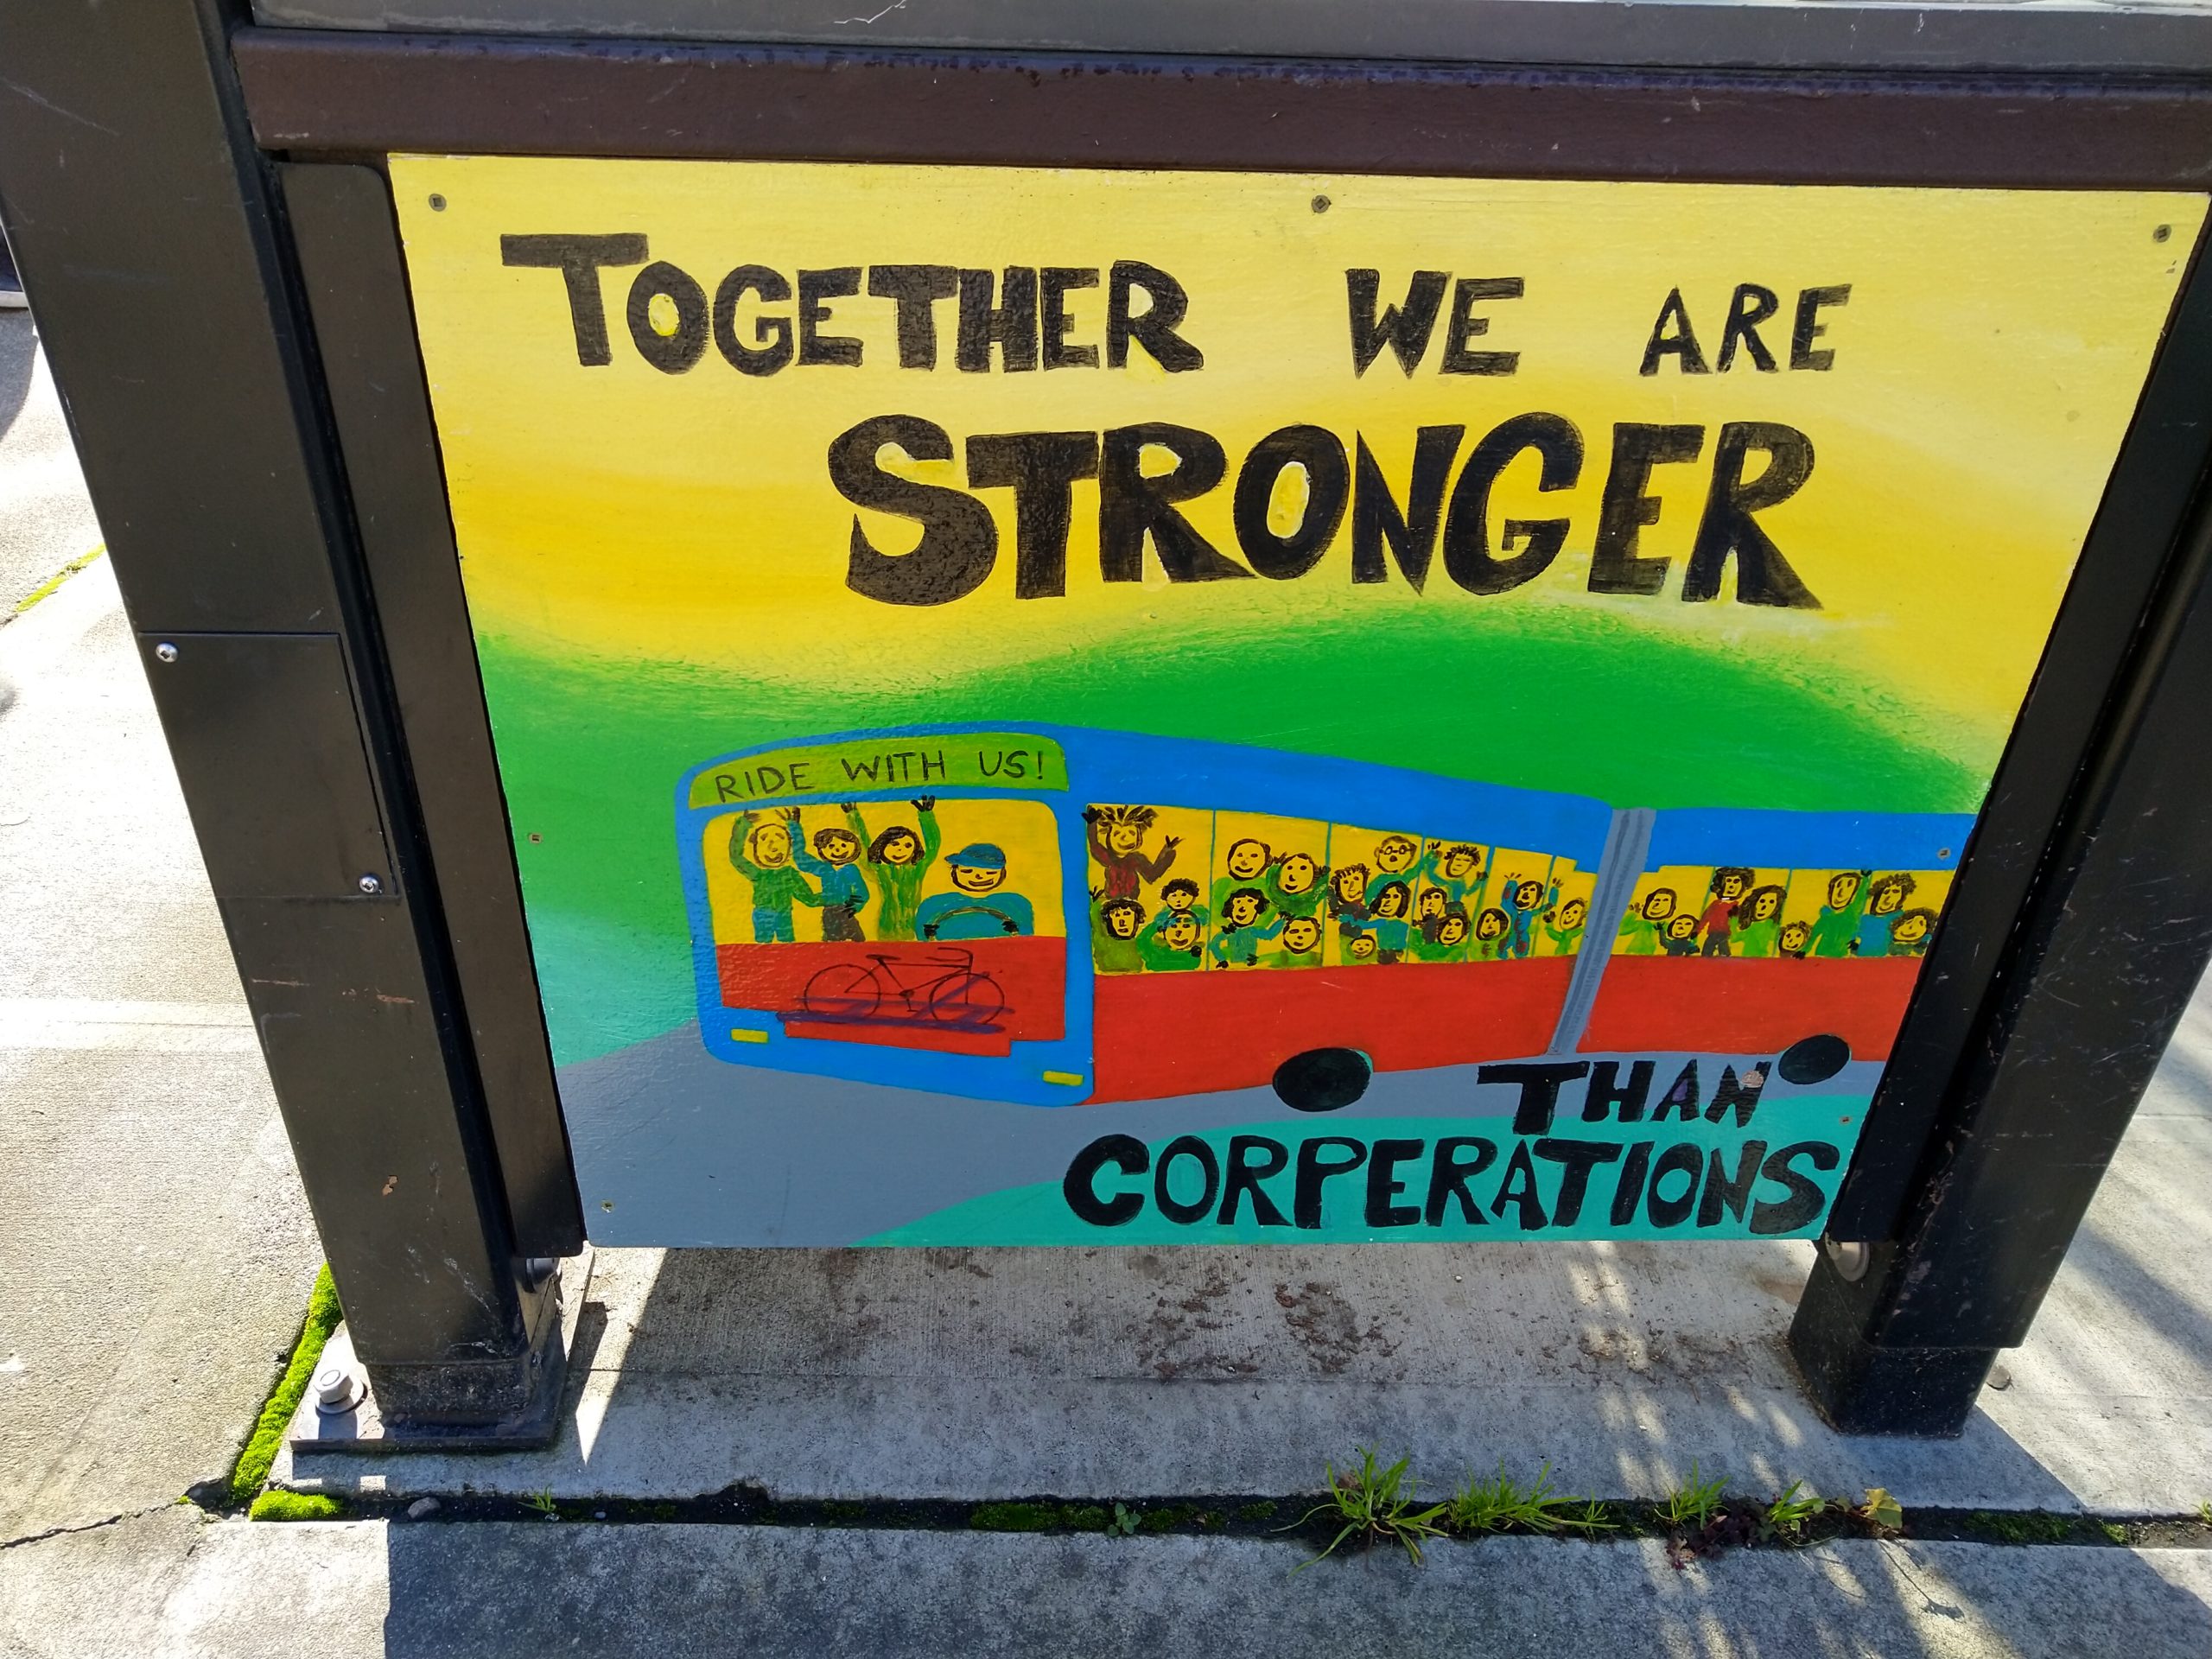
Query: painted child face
<point x="1840" y="888"/>
<point x="1298" y="874"/>
<point x="1795" y="934"/>
<point x="1391" y="901"/>
<point x="1395" y="854"/>
<point x="1180" y="899"/>
<point x="1458" y="863"/>
<point x="1681" y="927"/>
<point x="772" y="846"/>
<point x="1121" y="921"/>
<point x="1887" y="899"/>
<point x="1731" y="887"/>
<point x="1529" y="895"/>
<point x="1182" y="933"/>
<point x="1361" y="948"/>
<point x="1453" y="931"/>
<point x="902" y="848"/>
<point x="1765" y="905"/>
<point x="1351" y="881"/>
<point x="1431" y="903"/>
<point x="1911" y="930"/>
<point x="1247" y="858"/>
<point x="1491" y="923"/>
<point x="968" y="879"/>
<point x="1572" y="912"/>
<point x="1242" y="910"/>
<point x="1301" y="934"/>
<point x="838" y="848"/>
<point x="1124" y="838"/>
<point x="1659" y="906"/>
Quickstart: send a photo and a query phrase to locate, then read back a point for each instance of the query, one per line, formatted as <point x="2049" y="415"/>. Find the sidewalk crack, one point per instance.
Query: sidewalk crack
<point x="86" y="1526"/>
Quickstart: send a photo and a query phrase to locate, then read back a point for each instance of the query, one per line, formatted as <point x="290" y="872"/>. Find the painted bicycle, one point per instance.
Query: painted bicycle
<point x="954" y="995"/>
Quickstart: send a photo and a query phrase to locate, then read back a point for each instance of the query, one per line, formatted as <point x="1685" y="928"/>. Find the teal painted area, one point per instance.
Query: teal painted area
<point x="1039" y="1214"/>
<point x="605" y="986"/>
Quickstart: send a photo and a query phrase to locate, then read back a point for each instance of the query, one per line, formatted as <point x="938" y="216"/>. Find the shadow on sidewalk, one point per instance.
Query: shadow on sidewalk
<point x="18" y="362"/>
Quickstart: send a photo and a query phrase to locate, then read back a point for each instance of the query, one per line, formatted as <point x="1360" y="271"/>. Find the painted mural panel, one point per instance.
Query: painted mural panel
<point x="1063" y="707"/>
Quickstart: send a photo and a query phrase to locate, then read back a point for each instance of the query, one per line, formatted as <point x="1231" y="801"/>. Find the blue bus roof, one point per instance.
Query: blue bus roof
<point x="1108" y="766"/>
<point x="1809" y="840"/>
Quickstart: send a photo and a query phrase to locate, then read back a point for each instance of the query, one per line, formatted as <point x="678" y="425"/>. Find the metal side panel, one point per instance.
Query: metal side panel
<point x="356" y="289"/>
<point x="269" y="749"/>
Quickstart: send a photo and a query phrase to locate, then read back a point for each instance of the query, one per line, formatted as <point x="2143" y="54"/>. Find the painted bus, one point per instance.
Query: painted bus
<point x="1056" y="915"/>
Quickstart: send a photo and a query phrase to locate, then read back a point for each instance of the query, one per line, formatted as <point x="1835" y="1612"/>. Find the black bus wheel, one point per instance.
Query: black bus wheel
<point x="1322" y="1079"/>
<point x="1813" y="1059"/>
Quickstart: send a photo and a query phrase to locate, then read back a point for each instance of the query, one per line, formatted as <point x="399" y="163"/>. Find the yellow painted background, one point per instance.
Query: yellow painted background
<point x="1984" y="371"/>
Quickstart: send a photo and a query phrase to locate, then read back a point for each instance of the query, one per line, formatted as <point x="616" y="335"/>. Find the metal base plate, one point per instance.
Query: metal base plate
<point x="364" y="1429"/>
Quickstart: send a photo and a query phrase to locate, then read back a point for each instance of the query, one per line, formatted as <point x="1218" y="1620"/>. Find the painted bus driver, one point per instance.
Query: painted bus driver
<point x="978" y="907"/>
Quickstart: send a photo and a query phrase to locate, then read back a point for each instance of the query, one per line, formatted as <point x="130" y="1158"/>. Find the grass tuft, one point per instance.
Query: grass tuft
<point x="1375" y="1503"/>
<point x="1590" y="1516"/>
<point x="259" y="1452"/>
<point x="277" y="1504"/>
<point x="1693" y="1503"/>
<point x="1500" y="1505"/>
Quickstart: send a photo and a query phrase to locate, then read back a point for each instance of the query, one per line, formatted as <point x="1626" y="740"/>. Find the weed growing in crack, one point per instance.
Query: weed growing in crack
<point x="1496" y="1504"/>
<point x="1691" y="1506"/>
<point x="1589" y="1516"/>
<point x="1373" y="1504"/>
<point x="1881" y="1512"/>
<point x="1786" y="1516"/>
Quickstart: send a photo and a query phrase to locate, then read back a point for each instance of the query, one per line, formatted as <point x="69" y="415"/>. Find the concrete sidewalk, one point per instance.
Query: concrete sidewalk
<point x="154" y="1250"/>
<point x="169" y="1587"/>
<point x="45" y="518"/>
<point x="156" y="1255"/>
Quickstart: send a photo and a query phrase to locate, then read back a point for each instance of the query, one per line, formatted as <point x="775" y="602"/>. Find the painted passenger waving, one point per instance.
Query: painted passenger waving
<point x="760" y="851"/>
<point x="900" y="857"/>
<point x="1117" y="842"/>
<point x="834" y="863"/>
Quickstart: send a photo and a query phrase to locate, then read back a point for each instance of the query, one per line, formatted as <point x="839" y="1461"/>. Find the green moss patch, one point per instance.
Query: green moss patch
<point x="280" y="1505"/>
<point x="46" y="589"/>
<point x="260" y="1451"/>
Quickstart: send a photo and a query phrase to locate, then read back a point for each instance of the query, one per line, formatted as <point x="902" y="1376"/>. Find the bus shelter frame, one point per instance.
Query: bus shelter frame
<point x="198" y="207"/>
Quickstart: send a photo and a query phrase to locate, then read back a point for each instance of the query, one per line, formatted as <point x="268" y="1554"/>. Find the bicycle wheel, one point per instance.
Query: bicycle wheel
<point x="844" y="990"/>
<point x="967" y="999"/>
